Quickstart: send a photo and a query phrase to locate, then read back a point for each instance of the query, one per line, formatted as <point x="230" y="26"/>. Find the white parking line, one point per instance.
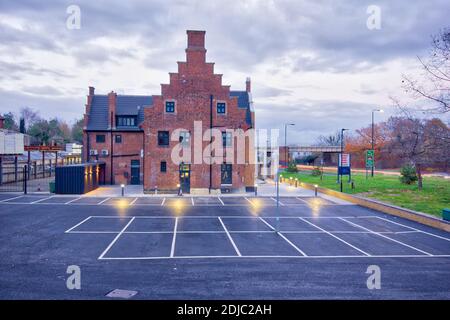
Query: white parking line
<point x="103" y="201"/>
<point x="286" y="239"/>
<point x="281" y="203"/>
<point x="174" y="239"/>
<point x="276" y="256"/>
<point x="40" y="200"/>
<point x="230" y="238"/>
<point x="70" y="201"/>
<point x="78" y="224"/>
<point x="382" y="235"/>
<point x="418" y="230"/>
<point x="304" y="201"/>
<point x="249" y="201"/>
<point x="192" y="200"/>
<point x="132" y="202"/>
<point x="162" y="202"/>
<point x="336" y="237"/>
<point x="12" y="198"/>
<point x="221" y="201"/>
<point x="115" y="239"/>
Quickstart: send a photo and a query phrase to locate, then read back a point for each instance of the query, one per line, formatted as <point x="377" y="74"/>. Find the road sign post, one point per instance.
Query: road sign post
<point x="370" y="159"/>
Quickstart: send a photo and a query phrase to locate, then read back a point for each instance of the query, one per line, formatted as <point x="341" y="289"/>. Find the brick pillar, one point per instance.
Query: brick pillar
<point x="248" y="85"/>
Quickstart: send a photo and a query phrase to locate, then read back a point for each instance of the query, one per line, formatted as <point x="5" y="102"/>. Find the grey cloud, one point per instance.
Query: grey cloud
<point x="263" y="91"/>
<point x="62" y="107"/>
<point x="42" y="90"/>
<point x="313" y="118"/>
<point x="17" y="70"/>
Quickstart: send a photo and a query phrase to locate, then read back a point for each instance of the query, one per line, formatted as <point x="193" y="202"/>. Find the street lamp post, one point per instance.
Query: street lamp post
<point x="285" y="142"/>
<point x="373" y="138"/>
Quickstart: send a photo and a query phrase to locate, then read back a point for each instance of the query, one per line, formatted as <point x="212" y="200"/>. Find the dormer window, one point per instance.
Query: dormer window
<point x="126" y="121"/>
<point x="170" y="106"/>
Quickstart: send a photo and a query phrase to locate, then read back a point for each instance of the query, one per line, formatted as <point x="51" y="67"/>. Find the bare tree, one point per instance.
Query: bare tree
<point x="329" y="140"/>
<point x="29" y="116"/>
<point x="434" y="85"/>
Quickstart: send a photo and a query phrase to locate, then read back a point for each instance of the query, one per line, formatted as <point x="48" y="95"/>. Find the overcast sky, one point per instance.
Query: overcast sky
<point x="314" y="63"/>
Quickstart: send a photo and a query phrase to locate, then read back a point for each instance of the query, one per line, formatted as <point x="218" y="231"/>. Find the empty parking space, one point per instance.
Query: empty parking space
<point x="375" y="244"/>
<point x="140" y="245"/>
<point x="199" y="224"/>
<point x="57" y="200"/>
<point x="101" y="224"/>
<point x="378" y="225"/>
<point x="6" y="196"/>
<point x="152" y="225"/>
<point x="89" y="200"/>
<point x="314" y="201"/>
<point x="149" y="201"/>
<point x="245" y="224"/>
<point x="425" y="242"/>
<point x="290" y="201"/>
<point x="322" y="244"/>
<point x="262" y="201"/>
<point x="235" y="201"/>
<point x="178" y="202"/>
<point x="263" y="244"/>
<point x="203" y="244"/>
<point x="28" y="199"/>
<point x="290" y="224"/>
<point x="207" y="201"/>
<point x="331" y="224"/>
<point x="118" y="201"/>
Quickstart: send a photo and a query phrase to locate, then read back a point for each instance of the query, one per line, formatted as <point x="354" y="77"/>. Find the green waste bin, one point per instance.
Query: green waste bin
<point x="51" y="186"/>
<point x="446" y="214"/>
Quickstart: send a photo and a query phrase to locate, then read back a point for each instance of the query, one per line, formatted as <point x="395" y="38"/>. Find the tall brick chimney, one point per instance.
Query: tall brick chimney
<point x="248" y="85"/>
<point x="195" y="51"/>
<point x="112" y="99"/>
<point x="2" y="122"/>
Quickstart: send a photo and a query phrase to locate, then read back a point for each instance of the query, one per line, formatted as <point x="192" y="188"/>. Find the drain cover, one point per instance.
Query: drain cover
<point x="119" y="293"/>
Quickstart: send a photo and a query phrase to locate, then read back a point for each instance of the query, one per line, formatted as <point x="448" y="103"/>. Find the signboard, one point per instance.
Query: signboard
<point x="344" y="164"/>
<point x="370" y="158"/>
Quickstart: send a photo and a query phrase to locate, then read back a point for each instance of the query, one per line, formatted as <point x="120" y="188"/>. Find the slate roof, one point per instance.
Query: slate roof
<point x="243" y="98"/>
<point x="125" y="105"/>
<point x="134" y="106"/>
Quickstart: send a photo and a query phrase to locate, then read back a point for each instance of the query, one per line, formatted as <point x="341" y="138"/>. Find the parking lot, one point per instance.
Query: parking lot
<point x="216" y="247"/>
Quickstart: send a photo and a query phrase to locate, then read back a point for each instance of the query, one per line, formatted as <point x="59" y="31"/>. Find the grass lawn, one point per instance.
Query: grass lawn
<point x="434" y="196"/>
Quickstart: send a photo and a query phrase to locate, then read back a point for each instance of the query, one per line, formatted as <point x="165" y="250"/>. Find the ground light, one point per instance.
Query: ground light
<point x="178" y="207"/>
<point x="256" y="190"/>
<point x="122" y="186"/>
<point x="256" y="207"/>
<point x="315" y="190"/>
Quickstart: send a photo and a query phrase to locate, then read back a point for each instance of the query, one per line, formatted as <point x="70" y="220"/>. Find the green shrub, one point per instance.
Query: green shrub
<point x="292" y="167"/>
<point x="316" y="172"/>
<point x="408" y="174"/>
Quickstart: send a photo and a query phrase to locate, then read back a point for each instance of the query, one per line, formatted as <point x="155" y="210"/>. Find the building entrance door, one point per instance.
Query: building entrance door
<point x="226" y="174"/>
<point x="135" y="171"/>
<point x="185" y="178"/>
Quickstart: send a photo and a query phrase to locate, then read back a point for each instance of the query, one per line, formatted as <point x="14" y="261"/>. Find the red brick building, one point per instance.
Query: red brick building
<point x="138" y="136"/>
